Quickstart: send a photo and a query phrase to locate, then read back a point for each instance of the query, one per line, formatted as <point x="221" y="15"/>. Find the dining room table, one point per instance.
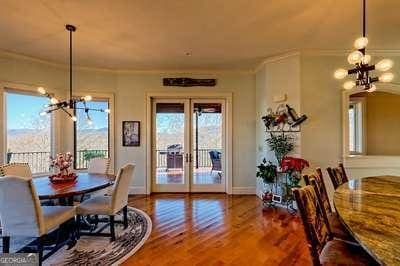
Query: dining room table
<point x="65" y="192"/>
<point x="370" y="209"/>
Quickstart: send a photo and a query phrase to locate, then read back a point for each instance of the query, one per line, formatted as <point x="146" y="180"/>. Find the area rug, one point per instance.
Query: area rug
<point x="97" y="250"/>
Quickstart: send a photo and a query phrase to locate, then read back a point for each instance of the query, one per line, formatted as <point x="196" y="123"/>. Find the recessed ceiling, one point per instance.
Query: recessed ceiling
<point x="217" y="34"/>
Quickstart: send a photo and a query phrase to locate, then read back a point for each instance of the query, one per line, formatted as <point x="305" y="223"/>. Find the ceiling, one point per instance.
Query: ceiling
<point x="218" y="34"/>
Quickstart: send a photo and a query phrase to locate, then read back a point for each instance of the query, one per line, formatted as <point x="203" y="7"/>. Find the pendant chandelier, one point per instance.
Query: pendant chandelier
<point x="69" y="106"/>
<point x="362" y="73"/>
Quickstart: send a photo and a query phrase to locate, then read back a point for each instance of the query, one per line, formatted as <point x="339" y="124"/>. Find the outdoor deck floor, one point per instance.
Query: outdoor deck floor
<point x="201" y="175"/>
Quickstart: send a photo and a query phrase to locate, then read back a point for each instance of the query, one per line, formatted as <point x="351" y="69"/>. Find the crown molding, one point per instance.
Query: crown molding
<point x="276" y="58"/>
<point x="12" y="55"/>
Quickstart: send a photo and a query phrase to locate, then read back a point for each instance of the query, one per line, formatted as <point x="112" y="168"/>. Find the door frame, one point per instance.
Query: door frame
<point x="227" y="96"/>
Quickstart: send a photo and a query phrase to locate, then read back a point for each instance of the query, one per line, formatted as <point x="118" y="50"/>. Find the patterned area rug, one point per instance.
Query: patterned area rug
<point x="97" y="250"/>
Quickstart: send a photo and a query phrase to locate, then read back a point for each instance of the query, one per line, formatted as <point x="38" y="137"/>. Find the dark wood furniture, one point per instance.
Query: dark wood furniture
<point x="324" y="249"/>
<point x="336" y="227"/>
<point x="85" y="183"/>
<point x="337" y="175"/>
<point x="370" y="209"/>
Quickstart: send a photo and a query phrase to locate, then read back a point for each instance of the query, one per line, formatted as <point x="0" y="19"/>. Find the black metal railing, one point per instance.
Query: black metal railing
<point x="83" y="157"/>
<point x="204" y="157"/>
<point x="38" y="161"/>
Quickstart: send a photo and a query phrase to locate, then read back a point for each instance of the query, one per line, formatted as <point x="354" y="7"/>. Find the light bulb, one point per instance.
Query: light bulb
<point x="41" y="90"/>
<point x="355" y="57"/>
<point x="348" y="85"/>
<point x="361" y="43"/>
<point x="87" y="98"/>
<point x="53" y="100"/>
<point x="43" y="113"/>
<point x="366" y="59"/>
<point x="372" y="88"/>
<point x="340" y="73"/>
<point x="386" y="77"/>
<point x="107" y="111"/>
<point x="384" y="65"/>
<point x="73" y="118"/>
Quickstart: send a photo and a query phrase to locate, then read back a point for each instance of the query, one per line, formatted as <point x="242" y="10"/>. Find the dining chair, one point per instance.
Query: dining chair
<point x="337" y="228"/>
<point x="99" y="165"/>
<point x="337" y="175"/>
<point x="22" y="215"/>
<point x="109" y="205"/>
<point x="16" y="169"/>
<point x="324" y="249"/>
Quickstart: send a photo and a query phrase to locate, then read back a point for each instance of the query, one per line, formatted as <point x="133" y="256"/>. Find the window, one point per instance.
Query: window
<point x="91" y="136"/>
<point x="356" y="123"/>
<point x="29" y="135"/>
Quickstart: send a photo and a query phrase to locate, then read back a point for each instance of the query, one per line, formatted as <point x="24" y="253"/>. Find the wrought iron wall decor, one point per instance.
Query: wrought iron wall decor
<point x="284" y="119"/>
<point x="189" y="82"/>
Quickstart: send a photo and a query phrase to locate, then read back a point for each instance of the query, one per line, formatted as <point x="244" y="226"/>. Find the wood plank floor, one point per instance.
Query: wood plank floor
<point x="217" y="229"/>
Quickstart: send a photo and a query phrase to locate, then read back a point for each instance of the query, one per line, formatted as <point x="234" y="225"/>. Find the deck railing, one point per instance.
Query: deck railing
<point x="204" y="157"/>
<point x="39" y="161"/>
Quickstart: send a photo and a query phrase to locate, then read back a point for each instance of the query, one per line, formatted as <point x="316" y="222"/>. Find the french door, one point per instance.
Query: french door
<point x="188" y="145"/>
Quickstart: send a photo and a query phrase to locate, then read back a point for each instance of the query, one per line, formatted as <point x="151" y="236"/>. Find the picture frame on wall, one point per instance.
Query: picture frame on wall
<point x="131" y="133"/>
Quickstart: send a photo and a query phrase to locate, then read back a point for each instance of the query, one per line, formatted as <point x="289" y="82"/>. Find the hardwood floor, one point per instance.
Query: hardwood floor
<point x="217" y="229"/>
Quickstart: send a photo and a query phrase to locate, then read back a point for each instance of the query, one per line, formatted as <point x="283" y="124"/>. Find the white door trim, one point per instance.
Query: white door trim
<point x="227" y="96"/>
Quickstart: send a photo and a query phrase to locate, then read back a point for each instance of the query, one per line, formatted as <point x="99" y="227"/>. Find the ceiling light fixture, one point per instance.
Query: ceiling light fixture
<point x="362" y="70"/>
<point x="70" y="104"/>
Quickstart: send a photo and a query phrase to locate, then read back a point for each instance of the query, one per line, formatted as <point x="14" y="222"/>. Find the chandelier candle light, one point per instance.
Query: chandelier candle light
<point x="70" y="104"/>
<point x="363" y="68"/>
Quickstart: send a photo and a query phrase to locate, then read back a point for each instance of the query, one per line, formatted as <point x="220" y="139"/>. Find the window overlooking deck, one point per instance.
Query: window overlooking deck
<point x="29" y="137"/>
<point x="91" y="136"/>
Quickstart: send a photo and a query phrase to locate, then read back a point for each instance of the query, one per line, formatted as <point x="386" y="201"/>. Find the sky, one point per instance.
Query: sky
<point x="23" y="112"/>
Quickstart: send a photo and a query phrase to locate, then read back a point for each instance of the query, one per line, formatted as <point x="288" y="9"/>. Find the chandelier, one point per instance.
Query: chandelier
<point x="362" y="71"/>
<point x="69" y="106"/>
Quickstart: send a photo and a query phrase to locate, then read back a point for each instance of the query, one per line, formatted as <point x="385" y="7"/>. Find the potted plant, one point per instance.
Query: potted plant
<point x="281" y="145"/>
<point x="293" y="167"/>
<point x="267" y="171"/>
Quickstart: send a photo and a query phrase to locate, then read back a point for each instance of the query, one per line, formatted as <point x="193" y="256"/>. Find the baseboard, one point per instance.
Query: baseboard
<point x="244" y="190"/>
<point x="137" y="190"/>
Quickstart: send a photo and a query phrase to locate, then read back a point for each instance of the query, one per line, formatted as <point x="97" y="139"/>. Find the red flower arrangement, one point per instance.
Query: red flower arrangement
<point x="63" y="163"/>
<point x="291" y="164"/>
<point x="293" y="167"/>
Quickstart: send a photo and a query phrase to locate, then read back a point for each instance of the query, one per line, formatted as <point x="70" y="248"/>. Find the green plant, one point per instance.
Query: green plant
<point x="267" y="172"/>
<point x="87" y="155"/>
<point x="281" y="145"/>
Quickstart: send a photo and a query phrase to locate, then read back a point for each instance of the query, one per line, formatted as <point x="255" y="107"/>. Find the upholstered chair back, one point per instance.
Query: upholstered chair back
<point x="121" y="187"/>
<point x="99" y="165"/>
<point x="314" y="221"/>
<point x="20" y="211"/>
<point x="16" y="169"/>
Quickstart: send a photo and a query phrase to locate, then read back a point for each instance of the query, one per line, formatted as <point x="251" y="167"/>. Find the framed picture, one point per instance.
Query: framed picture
<point x="276" y="198"/>
<point x="131" y="133"/>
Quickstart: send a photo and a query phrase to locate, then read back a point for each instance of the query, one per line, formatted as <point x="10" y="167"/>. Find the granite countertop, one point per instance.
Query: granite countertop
<point x="370" y="209"/>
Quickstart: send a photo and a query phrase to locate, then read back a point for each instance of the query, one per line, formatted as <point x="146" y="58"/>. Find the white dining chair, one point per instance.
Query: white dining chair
<point x="99" y="165"/>
<point x="22" y="215"/>
<point x="16" y="169"/>
<point x="110" y="205"/>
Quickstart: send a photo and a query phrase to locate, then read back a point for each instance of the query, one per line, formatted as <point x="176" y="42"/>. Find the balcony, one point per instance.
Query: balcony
<point x="39" y="160"/>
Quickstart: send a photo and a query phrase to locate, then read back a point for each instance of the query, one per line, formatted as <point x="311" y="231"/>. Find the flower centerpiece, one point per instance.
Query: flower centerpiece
<point x="293" y="167"/>
<point x="62" y="163"/>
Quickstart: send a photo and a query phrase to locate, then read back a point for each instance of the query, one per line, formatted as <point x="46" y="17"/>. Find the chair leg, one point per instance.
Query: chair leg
<point x="6" y="244"/>
<point x="125" y="212"/>
<point x="78" y="226"/>
<point x="40" y="249"/>
<point x="112" y="228"/>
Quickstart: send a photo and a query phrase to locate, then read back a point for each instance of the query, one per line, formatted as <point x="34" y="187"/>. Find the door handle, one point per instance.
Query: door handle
<point x="190" y="158"/>
<point x="187" y="157"/>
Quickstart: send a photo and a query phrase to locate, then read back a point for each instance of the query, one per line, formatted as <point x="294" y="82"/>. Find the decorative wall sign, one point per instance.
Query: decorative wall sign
<point x="284" y="119"/>
<point x="189" y="82"/>
<point x="131" y="133"/>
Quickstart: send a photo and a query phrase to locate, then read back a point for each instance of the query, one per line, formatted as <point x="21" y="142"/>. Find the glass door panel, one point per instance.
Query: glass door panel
<point x="170" y="144"/>
<point x="207" y="149"/>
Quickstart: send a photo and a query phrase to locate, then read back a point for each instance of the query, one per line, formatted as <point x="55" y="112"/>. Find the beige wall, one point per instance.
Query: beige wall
<point x="129" y="91"/>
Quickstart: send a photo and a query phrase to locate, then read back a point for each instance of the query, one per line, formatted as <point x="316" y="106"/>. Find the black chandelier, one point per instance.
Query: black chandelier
<point x="362" y="70"/>
<point x="70" y="104"/>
